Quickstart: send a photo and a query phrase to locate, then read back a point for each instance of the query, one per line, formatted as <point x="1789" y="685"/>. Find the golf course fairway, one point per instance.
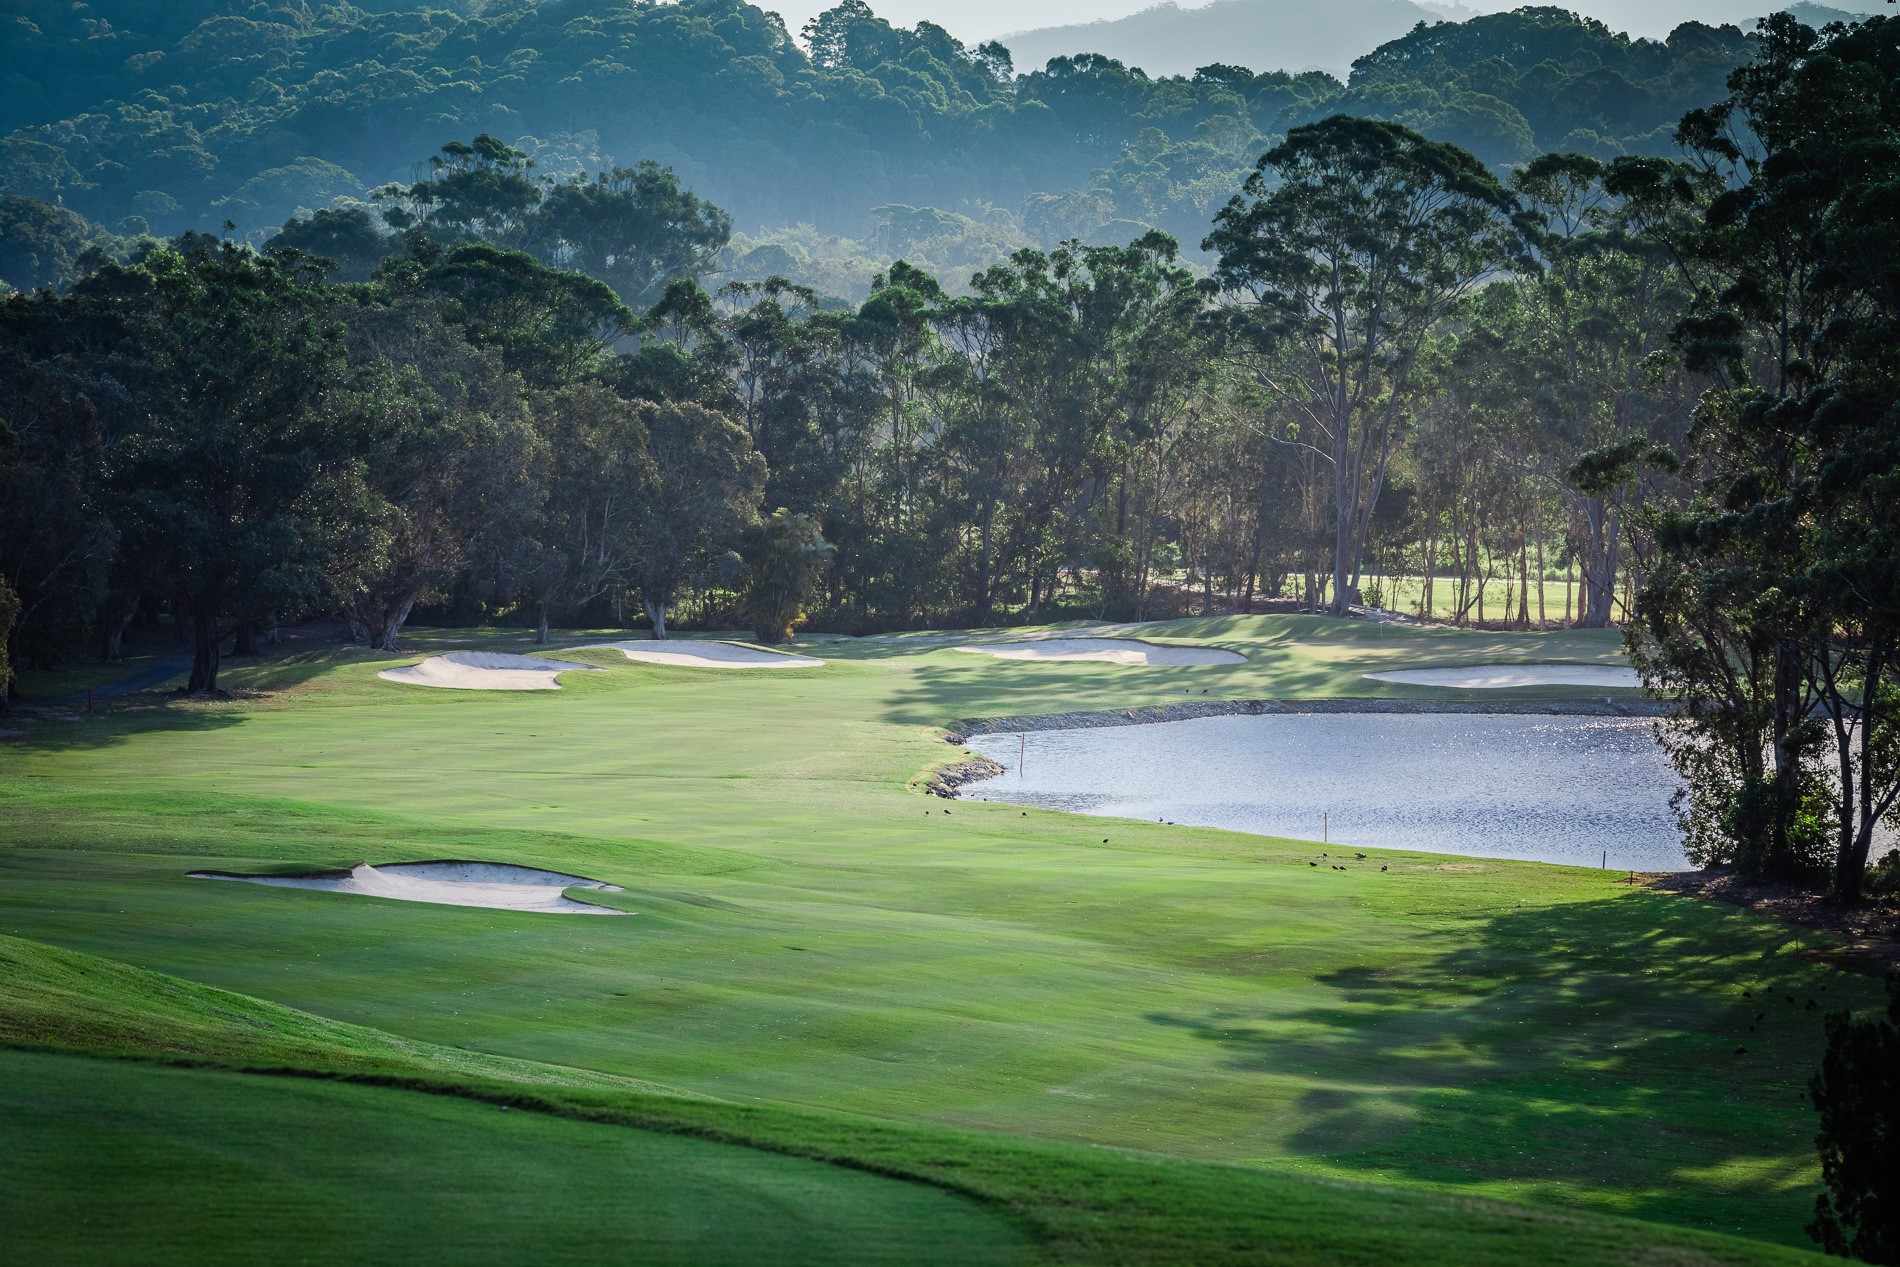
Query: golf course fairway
<point x="1085" y="1039"/>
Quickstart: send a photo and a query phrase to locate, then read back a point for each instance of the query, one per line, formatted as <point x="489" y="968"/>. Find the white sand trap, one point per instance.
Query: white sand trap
<point x="485" y="671"/>
<point x="491" y="884"/>
<point x="706" y="655"/>
<point x="1126" y="651"/>
<point x="1493" y="677"/>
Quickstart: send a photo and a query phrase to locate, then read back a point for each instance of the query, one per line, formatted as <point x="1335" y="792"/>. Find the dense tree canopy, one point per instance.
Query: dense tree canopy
<point x="184" y="115"/>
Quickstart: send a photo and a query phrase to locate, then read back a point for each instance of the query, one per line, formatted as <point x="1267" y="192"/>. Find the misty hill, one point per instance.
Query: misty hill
<point x="161" y="118"/>
<point x="1290" y="35"/>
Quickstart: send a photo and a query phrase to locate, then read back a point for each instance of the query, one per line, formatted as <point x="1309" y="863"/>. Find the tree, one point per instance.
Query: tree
<point x="40" y="244"/>
<point x="346" y="237"/>
<point x="785" y="556"/>
<point x="634" y="228"/>
<point x="226" y="485"/>
<point x="459" y="471"/>
<point x="550" y="326"/>
<point x="1775" y="592"/>
<point x="1352" y="240"/>
<point x="708" y="481"/>
<point x="583" y="542"/>
<point x="1858" y="1095"/>
<point x="475" y="189"/>
<point x="57" y="542"/>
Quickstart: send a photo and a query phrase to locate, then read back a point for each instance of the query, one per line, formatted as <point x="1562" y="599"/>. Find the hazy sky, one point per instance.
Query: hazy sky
<point x="972" y="20"/>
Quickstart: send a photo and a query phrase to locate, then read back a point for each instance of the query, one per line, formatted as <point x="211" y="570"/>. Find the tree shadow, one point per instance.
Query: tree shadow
<point x="937" y="695"/>
<point x="1643" y="1050"/>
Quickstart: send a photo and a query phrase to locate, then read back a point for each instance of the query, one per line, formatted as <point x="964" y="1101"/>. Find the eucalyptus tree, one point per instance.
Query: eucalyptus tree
<point x="57" y="541"/>
<point x="1351" y="242"/>
<point x="1585" y="339"/>
<point x="785" y="555"/>
<point x="707" y="480"/>
<point x="590" y="534"/>
<point x="634" y="228"/>
<point x="1770" y="596"/>
<point x="483" y="189"/>
<point x="460" y="471"/>
<point x="550" y="326"/>
<point x="233" y="470"/>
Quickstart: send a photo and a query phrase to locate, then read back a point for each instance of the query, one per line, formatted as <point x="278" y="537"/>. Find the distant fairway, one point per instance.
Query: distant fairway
<point x="812" y="936"/>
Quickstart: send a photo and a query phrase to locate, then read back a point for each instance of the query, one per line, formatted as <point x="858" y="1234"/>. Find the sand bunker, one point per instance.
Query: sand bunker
<point x="1492" y="677"/>
<point x="485" y="671"/>
<point x="706" y="655"/>
<point x="1128" y="651"/>
<point x="491" y="884"/>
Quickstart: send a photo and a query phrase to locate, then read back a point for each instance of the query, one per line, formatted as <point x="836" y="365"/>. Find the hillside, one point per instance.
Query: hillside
<point x="876" y="140"/>
<point x="1290" y="35"/>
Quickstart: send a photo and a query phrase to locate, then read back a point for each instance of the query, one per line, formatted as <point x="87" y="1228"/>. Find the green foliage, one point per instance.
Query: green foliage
<point x="1774" y="603"/>
<point x="785" y="556"/>
<point x="186" y="113"/>
<point x="1348" y="247"/>
<point x="1858" y="1094"/>
<point x="40" y="244"/>
<point x="707" y="483"/>
<point x="229" y="466"/>
<point x="347" y="238"/>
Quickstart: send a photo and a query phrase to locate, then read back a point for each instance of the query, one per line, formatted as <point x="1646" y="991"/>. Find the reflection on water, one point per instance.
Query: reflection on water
<point x="1549" y="789"/>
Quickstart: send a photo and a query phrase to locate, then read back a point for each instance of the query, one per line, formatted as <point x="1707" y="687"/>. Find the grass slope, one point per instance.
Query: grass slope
<point x="225" y="1168"/>
<point x="119" y="1161"/>
<point x="810" y="935"/>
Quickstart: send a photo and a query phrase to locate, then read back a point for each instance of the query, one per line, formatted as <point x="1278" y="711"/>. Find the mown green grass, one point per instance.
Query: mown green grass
<point x="228" y="1168"/>
<point x="812" y="935"/>
<point x="140" y="1162"/>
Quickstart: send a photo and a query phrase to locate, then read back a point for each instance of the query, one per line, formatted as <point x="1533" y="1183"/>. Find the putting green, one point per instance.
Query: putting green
<point x="813" y="935"/>
<point x="109" y="1162"/>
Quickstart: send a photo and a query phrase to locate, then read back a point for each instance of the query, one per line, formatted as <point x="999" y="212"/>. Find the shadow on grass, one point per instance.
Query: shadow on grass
<point x="938" y="695"/>
<point x="1599" y="1045"/>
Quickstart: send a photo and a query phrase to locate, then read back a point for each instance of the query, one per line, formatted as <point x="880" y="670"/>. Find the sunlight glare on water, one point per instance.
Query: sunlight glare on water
<point x="1546" y="789"/>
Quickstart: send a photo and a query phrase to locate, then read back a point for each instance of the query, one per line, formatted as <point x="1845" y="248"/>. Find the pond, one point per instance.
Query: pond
<point x="1542" y="788"/>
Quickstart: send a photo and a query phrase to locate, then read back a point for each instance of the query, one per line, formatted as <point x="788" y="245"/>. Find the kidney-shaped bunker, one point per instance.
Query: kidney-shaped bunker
<point x="497" y="885"/>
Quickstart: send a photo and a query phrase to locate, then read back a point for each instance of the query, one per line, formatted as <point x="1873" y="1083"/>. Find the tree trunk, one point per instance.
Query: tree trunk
<point x="1599" y="565"/>
<point x="115" y="635"/>
<point x="389" y="636"/>
<point x="1523" y="585"/>
<point x="656" y="612"/>
<point x="985" y="583"/>
<point x="204" y="656"/>
<point x="1542" y="621"/>
<point x="541" y="627"/>
<point x="244" y="643"/>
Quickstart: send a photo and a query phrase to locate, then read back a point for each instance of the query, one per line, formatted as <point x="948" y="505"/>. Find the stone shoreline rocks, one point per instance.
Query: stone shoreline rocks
<point x="945" y="780"/>
<point x="960" y="732"/>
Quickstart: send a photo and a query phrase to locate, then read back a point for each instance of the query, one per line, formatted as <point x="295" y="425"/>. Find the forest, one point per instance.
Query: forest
<point x="140" y="118"/>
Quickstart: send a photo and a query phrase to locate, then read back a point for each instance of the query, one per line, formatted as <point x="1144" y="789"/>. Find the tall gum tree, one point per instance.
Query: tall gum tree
<point x="1351" y="241"/>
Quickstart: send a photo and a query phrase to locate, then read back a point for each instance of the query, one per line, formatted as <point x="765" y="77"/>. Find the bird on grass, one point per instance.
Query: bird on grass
<point x="1741" y="1051"/>
<point x="1381" y="868"/>
<point x="1312" y="864"/>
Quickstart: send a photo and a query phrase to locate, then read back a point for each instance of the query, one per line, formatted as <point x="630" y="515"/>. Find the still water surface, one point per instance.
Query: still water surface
<point x="1548" y="789"/>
